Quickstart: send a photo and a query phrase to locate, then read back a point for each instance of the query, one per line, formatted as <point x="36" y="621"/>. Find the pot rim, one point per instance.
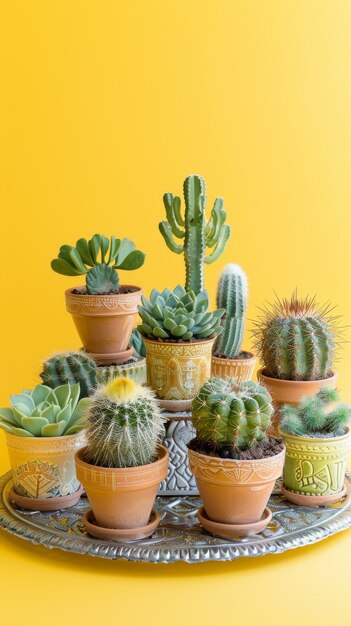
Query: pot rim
<point x="60" y="438"/>
<point x="325" y="440"/>
<point x="116" y="296"/>
<point x="162" y="456"/>
<point x="248" y="360"/>
<point x="283" y="381"/>
<point x="243" y="461"/>
<point x="178" y="344"/>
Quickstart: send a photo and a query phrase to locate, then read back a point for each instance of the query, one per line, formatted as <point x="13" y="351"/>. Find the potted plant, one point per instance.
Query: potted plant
<point x="317" y="441"/>
<point x="179" y="333"/>
<point x="296" y="340"/>
<point x="123" y="464"/>
<point x="43" y="431"/>
<point x="229" y="360"/>
<point x="103" y="311"/>
<point x="77" y="367"/>
<point x="234" y="462"/>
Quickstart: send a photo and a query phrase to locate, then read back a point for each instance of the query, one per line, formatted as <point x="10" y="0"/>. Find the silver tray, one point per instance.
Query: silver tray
<point x="179" y="536"/>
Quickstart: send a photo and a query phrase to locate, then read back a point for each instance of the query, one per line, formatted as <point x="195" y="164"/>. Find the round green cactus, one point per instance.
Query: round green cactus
<point x="124" y="425"/>
<point x="70" y="367"/>
<point x="226" y="413"/>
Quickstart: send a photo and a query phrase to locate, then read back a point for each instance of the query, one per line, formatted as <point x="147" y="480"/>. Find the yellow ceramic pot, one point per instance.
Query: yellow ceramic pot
<point x="176" y="371"/>
<point x="44" y="471"/>
<point x="241" y="369"/>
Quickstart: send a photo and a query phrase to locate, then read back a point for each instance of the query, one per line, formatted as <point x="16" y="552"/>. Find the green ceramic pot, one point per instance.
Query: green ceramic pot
<point x="316" y="467"/>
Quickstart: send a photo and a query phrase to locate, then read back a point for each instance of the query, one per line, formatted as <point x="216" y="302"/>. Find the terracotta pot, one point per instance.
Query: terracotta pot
<point x="235" y="492"/>
<point x="44" y="470"/>
<point x="291" y="392"/>
<point x="176" y="371"/>
<point x="104" y="323"/>
<point x="122" y="497"/>
<point x="316" y="466"/>
<point x="241" y="369"/>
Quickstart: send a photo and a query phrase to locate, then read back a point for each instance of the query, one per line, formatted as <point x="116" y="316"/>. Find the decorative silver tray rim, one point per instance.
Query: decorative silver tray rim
<point x="15" y="523"/>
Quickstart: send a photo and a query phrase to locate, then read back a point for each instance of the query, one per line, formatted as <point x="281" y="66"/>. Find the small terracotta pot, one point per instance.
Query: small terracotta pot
<point x="291" y="392"/>
<point x="44" y="471"/>
<point x="122" y="497"/>
<point x="104" y="323"/>
<point x="241" y="369"/>
<point x="315" y="468"/>
<point x="176" y="371"/>
<point x="235" y="492"/>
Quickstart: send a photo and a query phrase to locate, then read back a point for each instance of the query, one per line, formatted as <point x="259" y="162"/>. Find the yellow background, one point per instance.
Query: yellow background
<point x="105" y="106"/>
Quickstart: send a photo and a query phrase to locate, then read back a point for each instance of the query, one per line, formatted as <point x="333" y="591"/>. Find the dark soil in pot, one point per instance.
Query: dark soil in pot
<point x="269" y="447"/>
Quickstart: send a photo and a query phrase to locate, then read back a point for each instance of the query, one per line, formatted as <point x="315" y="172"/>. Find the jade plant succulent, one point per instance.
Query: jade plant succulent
<point x="45" y="412"/>
<point x="72" y="368"/>
<point x="322" y="415"/>
<point x="232" y="297"/>
<point x="98" y="259"/>
<point x="178" y="314"/>
<point x="296" y="339"/>
<point x="227" y="414"/>
<point x="192" y="228"/>
<point x="124" y="425"/>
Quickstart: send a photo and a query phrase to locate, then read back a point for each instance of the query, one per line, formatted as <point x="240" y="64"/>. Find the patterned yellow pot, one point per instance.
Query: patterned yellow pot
<point x="241" y="369"/>
<point x="176" y="371"/>
<point x="315" y="468"/>
<point x="44" y="471"/>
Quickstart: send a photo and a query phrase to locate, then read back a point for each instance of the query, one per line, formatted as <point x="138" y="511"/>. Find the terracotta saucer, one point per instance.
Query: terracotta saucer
<point x="120" y="534"/>
<point x="115" y="358"/>
<point x="175" y="406"/>
<point x="306" y="500"/>
<point x="234" y="531"/>
<point x="44" y="504"/>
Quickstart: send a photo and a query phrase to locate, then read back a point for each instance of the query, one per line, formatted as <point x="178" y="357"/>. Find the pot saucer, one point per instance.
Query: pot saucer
<point x="120" y="534"/>
<point x="45" y="504"/>
<point x="112" y="358"/>
<point x="175" y="406"/>
<point x="306" y="500"/>
<point x="234" y="531"/>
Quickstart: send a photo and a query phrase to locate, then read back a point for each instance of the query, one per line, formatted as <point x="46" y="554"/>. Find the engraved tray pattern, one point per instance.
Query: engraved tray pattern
<point x="179" y="536"/>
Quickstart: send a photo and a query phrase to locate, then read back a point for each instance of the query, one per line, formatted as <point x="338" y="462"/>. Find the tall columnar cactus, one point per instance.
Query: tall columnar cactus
<point x="296" y="339"/>
<point x="193" y="229"/>
<point x="124" y="425"/>
<point x="70" y="367"/>
<point x="227" y="414"/>
<point x="322" y="415"/>
<point x="231" y="296"/>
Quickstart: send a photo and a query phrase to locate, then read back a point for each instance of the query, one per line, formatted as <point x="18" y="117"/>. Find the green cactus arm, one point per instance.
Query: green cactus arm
<point x="218" y="217"/>
<point x="166" y="232"/>
<point x="220" y="247"/>
<point x="172" y="206"/>
<point x="83" y="249"/>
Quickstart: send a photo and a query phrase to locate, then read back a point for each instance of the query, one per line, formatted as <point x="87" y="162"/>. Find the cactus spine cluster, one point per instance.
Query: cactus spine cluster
<point x="322" y="415"/>
<point x="70" y="367"/>
<point x="228" y="414"/>
<point x="124" y="425"/>
<point x="296" y="339"/>
<point x="231" y="296"/>
<point x="193" y="229"/>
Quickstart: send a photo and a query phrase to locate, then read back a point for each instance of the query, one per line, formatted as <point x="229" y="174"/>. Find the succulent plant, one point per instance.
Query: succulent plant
<point x="322" y="415"/>
<point x="45" y="412"/>
<point x="70" y="367"/>
<point x="104" y="256"/>
<point x="226" y="413"/>
<point x="124" y="425"/>
<point x="137" y="342"/>
<point x="193" y="229"/>
<point x="178" y="314"/>
<point x="296" y="339"/>
<point x="231" y="296"/>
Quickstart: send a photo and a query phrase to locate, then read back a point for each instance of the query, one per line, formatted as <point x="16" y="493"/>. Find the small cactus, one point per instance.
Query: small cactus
<point x="193" y="229"/>
<point x="322" y="415"/>
<point x="231" y="296"/>
<point x="135" y="368"/>
<point x="70" y="367"/>
<point x="124" y="425"/>
<point x="227" y="414"/>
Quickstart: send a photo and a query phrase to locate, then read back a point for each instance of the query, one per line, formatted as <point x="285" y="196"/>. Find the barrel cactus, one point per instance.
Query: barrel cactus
<point x="45" y="412"/>
<point x="124" y="425"/>
<point x="322" y="415"/>
<point x="70" y="367"/>
<point x="194" y="230"/>
<point x="178" y="315"/>
<point x="296" y="339"/>
<point x="228" y="414"/>
<point x="231" y="296"/>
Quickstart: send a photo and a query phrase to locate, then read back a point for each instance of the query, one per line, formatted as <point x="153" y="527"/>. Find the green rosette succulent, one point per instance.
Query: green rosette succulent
<point x="45" y="412"/>
<point x="178" y="314"/>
